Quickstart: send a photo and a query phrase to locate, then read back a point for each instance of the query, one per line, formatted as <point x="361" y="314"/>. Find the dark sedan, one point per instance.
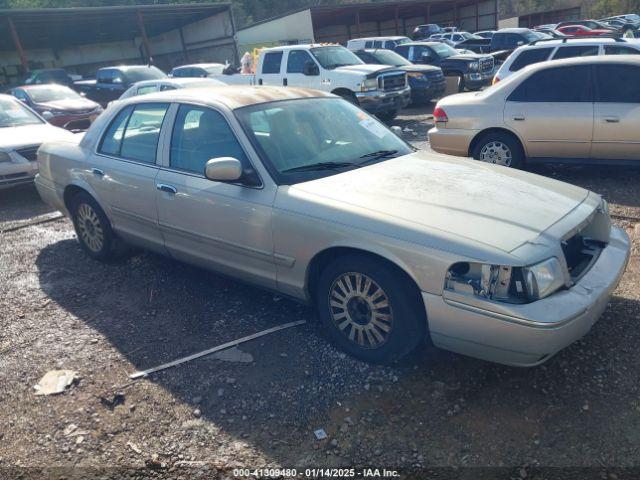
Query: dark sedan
<point x="59" y="105"/>
<point x="426" y="81"/>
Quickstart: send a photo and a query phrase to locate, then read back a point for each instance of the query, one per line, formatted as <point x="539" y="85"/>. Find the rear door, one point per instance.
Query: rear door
<point x="552" y="112"/>
<point x="616" y="134"/>
<point x="270" y="70"/>
<point x="123" y="171"/>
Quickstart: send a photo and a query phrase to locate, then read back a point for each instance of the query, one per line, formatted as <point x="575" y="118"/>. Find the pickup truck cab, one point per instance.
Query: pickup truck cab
<point x="112" y="82"/>
<point x="376" y="42"/>
<point x="379" y="89"/>
<point x="474" y="70"/>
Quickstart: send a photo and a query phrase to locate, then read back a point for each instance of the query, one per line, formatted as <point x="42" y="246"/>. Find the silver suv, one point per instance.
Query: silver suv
<point x="557" y="49"/>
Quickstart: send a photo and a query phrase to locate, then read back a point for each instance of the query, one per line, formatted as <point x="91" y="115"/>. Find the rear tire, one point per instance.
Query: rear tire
<point x="499" y="148"/>
<point x="93" y="229"/>
<point x="349" y="97"/>
<point x="370" y="309"/>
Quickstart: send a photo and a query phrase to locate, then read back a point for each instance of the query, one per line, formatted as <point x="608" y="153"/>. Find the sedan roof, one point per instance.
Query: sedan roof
<point x="232" y="97"/>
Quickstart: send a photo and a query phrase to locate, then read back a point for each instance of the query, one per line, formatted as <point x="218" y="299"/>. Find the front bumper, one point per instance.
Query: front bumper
<point x="50" y="193"/>
<point x="12" y="174"/>
<point x="378" y="101"/>
<point x="427" y="92"/>
<point x="451" y="141"/>
<point x="532" y="333"/>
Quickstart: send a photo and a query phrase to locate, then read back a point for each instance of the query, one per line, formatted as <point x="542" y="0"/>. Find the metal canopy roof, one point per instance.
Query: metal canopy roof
<point x="64" y="27"/>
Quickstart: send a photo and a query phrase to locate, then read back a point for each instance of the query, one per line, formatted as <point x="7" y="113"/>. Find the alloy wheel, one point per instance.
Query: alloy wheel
<point x="89" y="228"/>
<point x="361" y="310"/>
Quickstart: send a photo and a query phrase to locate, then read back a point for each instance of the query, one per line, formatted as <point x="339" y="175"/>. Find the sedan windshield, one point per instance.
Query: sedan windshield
<point x="14" y="114"/>
<point x="304" y="139"/>
<point x="334" y="57"/>
<point x="52" y="94"/>
<point x="387" y="57"/>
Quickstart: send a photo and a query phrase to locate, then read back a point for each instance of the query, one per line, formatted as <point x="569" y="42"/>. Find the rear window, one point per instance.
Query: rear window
<point x="618" y="50"/>
<point x="529" y="57"/>
<point x="576" y="51"/>
<point x="561" y="84"/>
<point x="618" y="83"/>
<point x="271" y="62"/>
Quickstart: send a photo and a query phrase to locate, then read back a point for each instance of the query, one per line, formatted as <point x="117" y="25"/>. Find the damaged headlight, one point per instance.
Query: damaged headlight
<point x="504" y="283"/>
<point x="4" y="157"/>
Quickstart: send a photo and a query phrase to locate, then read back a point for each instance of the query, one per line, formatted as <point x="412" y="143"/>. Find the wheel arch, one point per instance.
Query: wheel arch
<point x="340" y="91"/>
<point x="324" y="257"/>
<point x="486" y="131"/>
<point x="73" y="189"/>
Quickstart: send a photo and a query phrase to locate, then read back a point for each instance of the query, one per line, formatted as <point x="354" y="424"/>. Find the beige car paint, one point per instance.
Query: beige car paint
<point x="423" y="212"/>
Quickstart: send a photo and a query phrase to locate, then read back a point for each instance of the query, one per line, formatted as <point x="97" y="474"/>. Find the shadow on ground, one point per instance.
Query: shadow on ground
<point x="580" y="408"/>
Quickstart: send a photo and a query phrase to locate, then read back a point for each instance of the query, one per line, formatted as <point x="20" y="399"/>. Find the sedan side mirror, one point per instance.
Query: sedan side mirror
<point x="310" y="68"/>
<point x="223" y="169"/>
<point x="47" y="115"/>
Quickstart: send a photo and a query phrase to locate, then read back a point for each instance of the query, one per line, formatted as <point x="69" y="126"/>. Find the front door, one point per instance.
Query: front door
<point x="270" y="70"/>
<point x="224" y="226"/>
<point x="616" y="133"/>
<point x="552" y="112"/>
<point x="123" y="171"/>
<point x="296" y="60"/>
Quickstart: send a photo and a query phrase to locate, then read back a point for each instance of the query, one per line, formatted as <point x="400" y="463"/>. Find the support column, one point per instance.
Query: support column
<point x="184" y="45"/>
<point x="143" y="34"/>
<point x="396" y="20"/>
<point x="477" y="15"/>
<point x="358" y="22"/>
<point x="18" y="45"/>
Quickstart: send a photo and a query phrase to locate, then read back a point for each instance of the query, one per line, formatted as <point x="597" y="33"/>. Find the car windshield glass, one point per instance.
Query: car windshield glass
<point x="333" y="57"/>
<point x="14" y="114"/>
<point x="470" y="36"/>
<point x="52" y="94"/>
<point x="444" y="51"/>
<point x="387" y="57"/>
<point x="532" y="36"/>
<point x="144" y="73"/>
<point x="298" y="142"/>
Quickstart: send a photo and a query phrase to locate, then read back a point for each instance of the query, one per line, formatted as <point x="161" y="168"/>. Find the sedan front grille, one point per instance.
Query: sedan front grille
<point x="580" y="253"/>
<point x="30" y="153"/>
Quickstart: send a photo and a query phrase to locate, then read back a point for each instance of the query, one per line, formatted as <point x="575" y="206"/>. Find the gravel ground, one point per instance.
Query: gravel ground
<point x="259" y="405"/>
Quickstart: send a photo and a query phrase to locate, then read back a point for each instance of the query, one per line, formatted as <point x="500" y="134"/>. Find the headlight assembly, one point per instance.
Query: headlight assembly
<point x="369" y="84"/>
<point x="417" y="75"/>
<point x="504" y="283"/>
<point x="4" y="157"/>
<point x="474" y="66"/>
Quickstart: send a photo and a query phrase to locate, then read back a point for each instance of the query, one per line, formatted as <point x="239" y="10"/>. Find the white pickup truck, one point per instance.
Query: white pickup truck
<point x="379" y="89"/>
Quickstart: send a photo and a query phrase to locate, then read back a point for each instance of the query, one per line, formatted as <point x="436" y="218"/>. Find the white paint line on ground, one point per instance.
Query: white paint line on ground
<point x="232" y="343"/>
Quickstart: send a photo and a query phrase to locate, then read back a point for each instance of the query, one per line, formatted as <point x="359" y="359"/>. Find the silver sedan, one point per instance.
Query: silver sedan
<point x="303" y="193"/>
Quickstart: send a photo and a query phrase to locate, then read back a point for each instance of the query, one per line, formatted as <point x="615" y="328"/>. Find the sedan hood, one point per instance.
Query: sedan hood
<point x="419" y="68"/>
<point x="71" y="105"/>
<point x="456" y="200"/>
<point x="27" y="135"/>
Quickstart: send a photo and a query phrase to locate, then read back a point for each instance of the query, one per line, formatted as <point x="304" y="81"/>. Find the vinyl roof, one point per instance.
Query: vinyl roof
<point x="63" y="27"/>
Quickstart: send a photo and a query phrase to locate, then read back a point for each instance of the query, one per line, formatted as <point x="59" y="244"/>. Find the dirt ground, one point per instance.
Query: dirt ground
<point x="257" y="407"/>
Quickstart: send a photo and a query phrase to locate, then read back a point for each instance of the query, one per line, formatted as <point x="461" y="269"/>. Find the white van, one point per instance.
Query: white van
<point x="376" y="42"/>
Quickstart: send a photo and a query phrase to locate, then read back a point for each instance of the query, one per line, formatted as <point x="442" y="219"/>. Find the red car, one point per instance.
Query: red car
<point x="580" y="30"/>
<point x="59" y="105"/>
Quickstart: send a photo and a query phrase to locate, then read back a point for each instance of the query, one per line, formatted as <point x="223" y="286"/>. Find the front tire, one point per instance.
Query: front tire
<point x="370" y="309"/>
<point x="499" y="148"/>
<point x="95" y="235"/>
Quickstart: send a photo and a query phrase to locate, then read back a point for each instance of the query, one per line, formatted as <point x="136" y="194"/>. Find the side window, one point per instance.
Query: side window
<point x="403" y="50"/>
<point x="179" y="73"/>
<point x="296" y="61"/>
<point x="134" y="133"/>
<point x="146" y="89"/>
<point x="618" y="83"/>
<point x="368" y="44"/>
<point x="164" y="88"/>
<point x="104" y="76"/>
<point x="561" y="84"/>
<point x="529" y="57"/>
<point x="377" y="44"/>
<point x="271" y="62"/>
<point x="576" y="51"/>
<point x="200" y="134"/>
<point x="112" y="139"/>
<point x="619" y="50"/>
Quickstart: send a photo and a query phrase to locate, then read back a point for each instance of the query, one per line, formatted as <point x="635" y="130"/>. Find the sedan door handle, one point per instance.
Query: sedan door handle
<point x="97" y="172"/>
<point x="519" y="119"/>
<point x="167" y="188"/>
<point x="612" y="119"/>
